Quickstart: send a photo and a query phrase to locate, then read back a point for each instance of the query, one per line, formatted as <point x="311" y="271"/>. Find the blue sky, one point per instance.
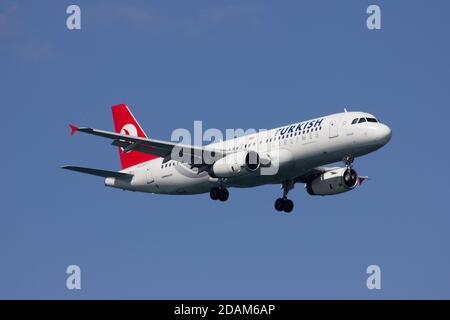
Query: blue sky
<point x="231" y="64"/>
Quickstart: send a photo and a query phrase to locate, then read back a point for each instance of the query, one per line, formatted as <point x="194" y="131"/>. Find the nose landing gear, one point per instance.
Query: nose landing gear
<point x="348" y="160"/>
<point x="284" y="204"/>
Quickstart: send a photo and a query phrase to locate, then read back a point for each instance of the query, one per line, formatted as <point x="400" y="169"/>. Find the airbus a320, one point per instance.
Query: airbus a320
<point x="291" y="154"/>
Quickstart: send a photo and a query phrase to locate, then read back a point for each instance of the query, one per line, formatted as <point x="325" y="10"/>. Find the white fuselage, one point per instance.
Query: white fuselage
<point x="297" y="148"/>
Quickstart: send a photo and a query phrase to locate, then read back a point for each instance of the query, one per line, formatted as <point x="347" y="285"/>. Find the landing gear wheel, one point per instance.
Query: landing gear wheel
<point x="279" y="204"/>
<point x="223" y="194"/>
<point x="214" y="193"/>
<point x="288" y="205"/>
<point x="284" y="204"/>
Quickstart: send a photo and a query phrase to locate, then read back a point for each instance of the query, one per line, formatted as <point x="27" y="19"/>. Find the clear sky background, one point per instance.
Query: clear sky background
<point x="231" y="64"/>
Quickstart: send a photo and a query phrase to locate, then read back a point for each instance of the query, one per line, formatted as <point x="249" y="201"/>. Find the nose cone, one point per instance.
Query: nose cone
<point x="384" y="134"/>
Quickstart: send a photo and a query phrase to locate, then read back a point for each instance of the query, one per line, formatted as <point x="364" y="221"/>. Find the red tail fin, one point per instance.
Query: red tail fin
<point x="125" y="123"/>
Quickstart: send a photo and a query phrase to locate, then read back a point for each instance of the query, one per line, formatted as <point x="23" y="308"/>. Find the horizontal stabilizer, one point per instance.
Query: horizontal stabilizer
<point x="98" y="172"/>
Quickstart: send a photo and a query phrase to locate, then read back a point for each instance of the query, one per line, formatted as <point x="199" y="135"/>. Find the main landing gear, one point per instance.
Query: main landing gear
<point x="221" y="194"/>
<point x="284" y="204"/>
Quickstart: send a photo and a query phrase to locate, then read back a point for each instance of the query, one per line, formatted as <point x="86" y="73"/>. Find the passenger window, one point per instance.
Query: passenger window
<point x="362" y="120"/>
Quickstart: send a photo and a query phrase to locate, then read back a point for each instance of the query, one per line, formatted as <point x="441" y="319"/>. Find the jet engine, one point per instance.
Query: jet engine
<point x="236" y="164"/>
<point x="333" y="182"/>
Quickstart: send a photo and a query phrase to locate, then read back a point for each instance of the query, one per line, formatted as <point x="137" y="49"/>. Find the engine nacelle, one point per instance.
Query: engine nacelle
<point x="333" y="182"/>
<point x="236" y="164"/>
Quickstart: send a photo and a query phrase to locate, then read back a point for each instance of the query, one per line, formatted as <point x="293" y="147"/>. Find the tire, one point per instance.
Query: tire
<point x="288" y="206"/>
<point x="214" y="194"/>
<point x="279" y="204"/>
<point x="223" y="194"/>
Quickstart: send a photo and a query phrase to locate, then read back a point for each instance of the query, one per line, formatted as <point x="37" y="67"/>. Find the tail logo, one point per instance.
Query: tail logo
<point x="129" y="130"/>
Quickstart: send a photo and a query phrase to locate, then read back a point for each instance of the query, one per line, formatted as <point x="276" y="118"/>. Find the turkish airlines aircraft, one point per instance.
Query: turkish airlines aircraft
<point x="287" y="155"/>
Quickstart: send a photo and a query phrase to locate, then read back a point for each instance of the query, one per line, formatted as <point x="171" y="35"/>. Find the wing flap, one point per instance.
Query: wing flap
<point x="141" y="147"/>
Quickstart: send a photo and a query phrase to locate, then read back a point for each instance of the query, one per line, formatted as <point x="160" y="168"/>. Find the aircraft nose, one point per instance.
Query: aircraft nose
<point x="384" y="134"/>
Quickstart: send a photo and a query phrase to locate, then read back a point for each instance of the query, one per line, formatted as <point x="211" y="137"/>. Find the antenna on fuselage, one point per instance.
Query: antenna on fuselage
<point x="345" y="109"/>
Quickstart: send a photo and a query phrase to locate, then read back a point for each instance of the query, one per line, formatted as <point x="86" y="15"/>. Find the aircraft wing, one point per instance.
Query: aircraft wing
<point x="154" y="147"/>
<point x="98" y="172"/>
<point x="315" y="172"/>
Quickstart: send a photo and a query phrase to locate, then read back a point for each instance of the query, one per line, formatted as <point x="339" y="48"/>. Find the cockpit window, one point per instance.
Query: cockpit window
<point x="361" y="120"/>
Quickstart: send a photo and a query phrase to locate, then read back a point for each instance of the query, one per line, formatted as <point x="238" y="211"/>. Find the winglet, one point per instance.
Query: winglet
<point x="73" y="128"/>
<point x="361" y="179"/>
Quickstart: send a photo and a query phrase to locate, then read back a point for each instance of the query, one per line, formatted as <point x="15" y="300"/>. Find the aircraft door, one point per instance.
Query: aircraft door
<point x="150" y="179"/>
<point x="333" y="129"/>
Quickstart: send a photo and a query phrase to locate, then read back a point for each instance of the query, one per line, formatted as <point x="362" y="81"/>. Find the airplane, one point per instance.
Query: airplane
<point x="287" y="155"/>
